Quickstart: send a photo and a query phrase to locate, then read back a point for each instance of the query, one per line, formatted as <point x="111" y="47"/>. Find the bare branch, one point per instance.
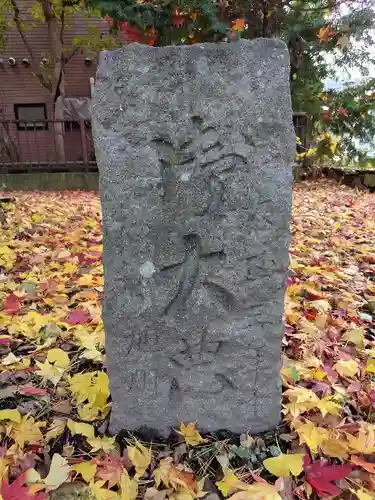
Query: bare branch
<point x="33" y="63"/>
<point x="71" y="55"/>
<point x="18" y="23"/>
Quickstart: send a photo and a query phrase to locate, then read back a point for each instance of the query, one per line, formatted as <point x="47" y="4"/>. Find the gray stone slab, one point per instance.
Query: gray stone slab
<point x="195" y="146"/>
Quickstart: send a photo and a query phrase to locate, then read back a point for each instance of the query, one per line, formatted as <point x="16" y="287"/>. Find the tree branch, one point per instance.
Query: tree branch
<point x="72" y="54"/>
<point x="17" y="21"/>
<point x="34" y="65"/>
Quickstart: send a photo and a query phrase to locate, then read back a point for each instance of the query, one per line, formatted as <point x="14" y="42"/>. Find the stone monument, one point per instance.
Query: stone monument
<point x="195" y="146"/>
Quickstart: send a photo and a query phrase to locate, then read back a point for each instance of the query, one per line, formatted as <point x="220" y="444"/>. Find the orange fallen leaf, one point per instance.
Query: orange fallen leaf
<point x="370" y="467"/>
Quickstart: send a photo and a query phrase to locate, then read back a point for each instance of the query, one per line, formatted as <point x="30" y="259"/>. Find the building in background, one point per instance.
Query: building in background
<point x="27" y="130"/>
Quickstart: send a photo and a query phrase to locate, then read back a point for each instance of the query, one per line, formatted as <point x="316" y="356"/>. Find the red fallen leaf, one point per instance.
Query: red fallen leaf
<point x="78" y="317"/>
<point x="17" y="491"/>
<point x="32" y="391"/>
<point x="311" y="314"/>
<point x="86" y="260"/>
<point x="110" y="468"/>
<point x="49" y="286"/>
<point x="320" y="476"/>
<point x="12" y="304"/>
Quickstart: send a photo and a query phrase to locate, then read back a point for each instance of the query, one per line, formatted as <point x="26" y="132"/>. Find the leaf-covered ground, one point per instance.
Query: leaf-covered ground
<point x="54" y="397"/>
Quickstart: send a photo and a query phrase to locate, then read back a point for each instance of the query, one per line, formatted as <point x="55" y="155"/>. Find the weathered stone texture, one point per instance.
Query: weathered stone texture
<point x="195" y="146"/>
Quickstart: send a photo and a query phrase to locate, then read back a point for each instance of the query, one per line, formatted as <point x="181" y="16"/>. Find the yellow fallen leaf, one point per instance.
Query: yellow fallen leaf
<point x="86" y="469"/>
<point x="370" y="365"/>
<point x="347" y="368"/>
<point x="364" y="442"/>
<point x="92" y="354"/>
<point x="326" y="405"/>
<point x="15" y="362"/>
<point x="257" y="492"/>
<point x="321" y="306"/>
<point x="231" y="482"/>
<point x="128" y="487"/>
<point x="362" y="494"/>
<point x="59" y="358"/>
<point x="50" y="372"/>
<point x="57" y="475"/>
<point x="86" y="430"/>
<point x="58" y="472"/>
<point x="27" y="431"/>
<point x="311" y="435"/>
<point x="100" y="493"/>
<point x="56" y="428"/>
<point x="334" y="445"/>
<point x="161" y="473"/>
<point x="92" y="387"/>
<point x="318" y="375"/>
<point x="284" y="465"/>
<point x="190" y="434"/>
<point x="13" y="415"/>
<point x="87" y="413"/>
<point x="140" y="457"/>
<point x="356" y="336"/>
<point x="63" y="254"/>
<point x="301" y="400"/>
<point x="105" y="443"/>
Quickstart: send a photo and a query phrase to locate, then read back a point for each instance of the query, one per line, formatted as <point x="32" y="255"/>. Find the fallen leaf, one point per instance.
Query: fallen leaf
<point x="320" y="476"/>
<point x="230" y="482"/>
<point x="346" y="368"/>
<point x="257" y="492"/>
<point x="86" y="469"/>
<point x="13" y="415"/>
<point x="356" y="336"/>
<point x="128" y="487"/>
<point x="370" y="365"/>
<point x="12" y="304"/>
<point x="58" y="357"/>
<point x="140" y="457"/>
<point x="105" y="444"/>
<point x="32" y="391"/>
<point x="86" y="430"/>
<point x="58" y="472"/>
<point x="78" y="317"/>
<point x="370" y="467"/>
<point x="56" y="428"/>
<point x="284" y="465"/>
<point x="190" y="434"/>
<point x="17" y="490"/>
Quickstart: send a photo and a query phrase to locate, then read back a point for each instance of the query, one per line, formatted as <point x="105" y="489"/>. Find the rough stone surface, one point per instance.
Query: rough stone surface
<point x="195" y="147"/>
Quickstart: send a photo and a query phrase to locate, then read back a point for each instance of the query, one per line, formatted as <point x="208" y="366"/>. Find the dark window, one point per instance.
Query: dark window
<point x="31" y="116"/>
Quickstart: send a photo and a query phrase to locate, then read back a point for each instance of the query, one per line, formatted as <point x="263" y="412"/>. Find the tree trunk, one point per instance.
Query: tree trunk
<point x="56" y="37"/>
